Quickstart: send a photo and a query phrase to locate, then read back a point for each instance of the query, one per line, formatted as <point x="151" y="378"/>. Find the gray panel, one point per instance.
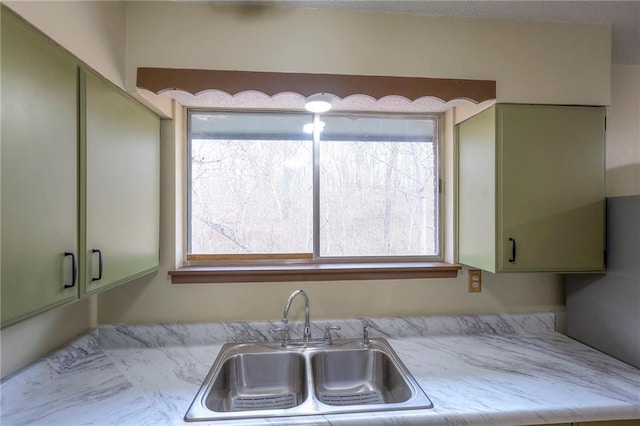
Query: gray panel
<point x="603" y="310"/>
<point x="623" y="235"/>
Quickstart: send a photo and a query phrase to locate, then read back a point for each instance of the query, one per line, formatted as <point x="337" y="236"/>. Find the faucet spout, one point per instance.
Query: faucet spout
<point x="307" y="324"/>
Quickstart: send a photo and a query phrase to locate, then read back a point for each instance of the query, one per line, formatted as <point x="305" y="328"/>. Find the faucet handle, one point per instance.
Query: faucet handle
<point x="327" y="332"/>
<point x="366" y="342"/>
<point x="286" y="339"/>
<point x="365" y="326"/>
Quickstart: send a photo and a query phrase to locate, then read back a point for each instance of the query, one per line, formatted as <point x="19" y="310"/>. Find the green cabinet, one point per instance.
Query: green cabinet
<point x="39" y="139"/>
<point x="79" y="172"/>
<point x="531" y="189"/>
<point x="120" y="152"/>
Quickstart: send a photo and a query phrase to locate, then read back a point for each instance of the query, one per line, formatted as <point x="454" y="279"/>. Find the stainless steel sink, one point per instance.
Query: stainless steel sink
<point x="262" y="380"/>
<point x="360" y="376"/>
<point x="256" y="381"/>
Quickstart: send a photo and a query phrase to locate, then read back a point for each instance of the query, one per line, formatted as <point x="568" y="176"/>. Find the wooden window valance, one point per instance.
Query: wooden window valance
<point x="194" y="81"/>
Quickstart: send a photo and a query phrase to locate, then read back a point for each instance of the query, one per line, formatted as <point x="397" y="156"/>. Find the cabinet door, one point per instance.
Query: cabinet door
<point x="121" y="152"/>
<point x="551" y="188"/>
<point x="477" y="191"/>
<point x="39" y="171"/>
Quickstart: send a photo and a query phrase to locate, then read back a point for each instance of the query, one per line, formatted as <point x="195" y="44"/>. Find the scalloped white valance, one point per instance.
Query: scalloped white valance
<point x="195" y="81"/>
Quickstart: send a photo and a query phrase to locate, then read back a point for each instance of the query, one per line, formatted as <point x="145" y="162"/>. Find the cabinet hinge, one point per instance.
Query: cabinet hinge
<point x="605" y="123"/>
<point x="440" y="186"/>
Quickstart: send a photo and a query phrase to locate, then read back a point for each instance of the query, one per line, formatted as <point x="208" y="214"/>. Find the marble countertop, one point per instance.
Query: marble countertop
<point x="477" y="370"/>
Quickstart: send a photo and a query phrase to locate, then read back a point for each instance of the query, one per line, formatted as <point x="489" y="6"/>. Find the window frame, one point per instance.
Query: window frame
<point x="220" y="268"/>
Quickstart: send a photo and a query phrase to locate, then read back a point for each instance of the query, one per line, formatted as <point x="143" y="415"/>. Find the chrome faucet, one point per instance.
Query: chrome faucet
<point x="307" y="325"/>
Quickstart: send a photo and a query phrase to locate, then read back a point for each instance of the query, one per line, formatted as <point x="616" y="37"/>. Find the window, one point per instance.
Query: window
<point x="328" y="187"/>
<point x="251" y="184"/>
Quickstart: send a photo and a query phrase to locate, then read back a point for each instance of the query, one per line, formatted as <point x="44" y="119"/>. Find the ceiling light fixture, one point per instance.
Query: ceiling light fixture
<point x="320" y="102"/>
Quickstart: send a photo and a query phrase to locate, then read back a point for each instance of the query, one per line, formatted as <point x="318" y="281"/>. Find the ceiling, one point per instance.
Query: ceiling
<point x="624" y="16"/>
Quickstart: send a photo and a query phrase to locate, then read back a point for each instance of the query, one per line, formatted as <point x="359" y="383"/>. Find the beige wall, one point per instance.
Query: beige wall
<point x="157" y="301"/>
<point x="94" y="31"/>
<point x="531" y="61"/>
<point x="623" y="132"/>
<point x="28" y="340"/>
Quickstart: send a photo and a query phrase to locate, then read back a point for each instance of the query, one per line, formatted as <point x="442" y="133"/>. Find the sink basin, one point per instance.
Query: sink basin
<point x="256" y="381"/>
<point x="362" y="376"/>
<point x="265" y="380"/>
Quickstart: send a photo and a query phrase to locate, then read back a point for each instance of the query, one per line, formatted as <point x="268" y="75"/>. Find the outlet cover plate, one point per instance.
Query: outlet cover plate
<point x="475" y="280"/>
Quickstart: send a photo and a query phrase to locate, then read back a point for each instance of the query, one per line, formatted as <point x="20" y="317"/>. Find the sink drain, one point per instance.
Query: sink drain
<point x="266" y="402"/>
<point x="372" y="397"/>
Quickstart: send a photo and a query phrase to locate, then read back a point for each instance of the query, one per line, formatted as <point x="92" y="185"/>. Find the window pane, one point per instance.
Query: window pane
<point x="378" y="186"/>
<point x="251" y="183"/>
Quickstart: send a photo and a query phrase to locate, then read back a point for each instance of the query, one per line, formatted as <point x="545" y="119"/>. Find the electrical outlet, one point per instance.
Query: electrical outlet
<point x="475" y="280"/>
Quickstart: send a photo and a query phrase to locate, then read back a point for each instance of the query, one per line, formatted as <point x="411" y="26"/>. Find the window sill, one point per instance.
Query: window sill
<point x="312" y="272"/>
